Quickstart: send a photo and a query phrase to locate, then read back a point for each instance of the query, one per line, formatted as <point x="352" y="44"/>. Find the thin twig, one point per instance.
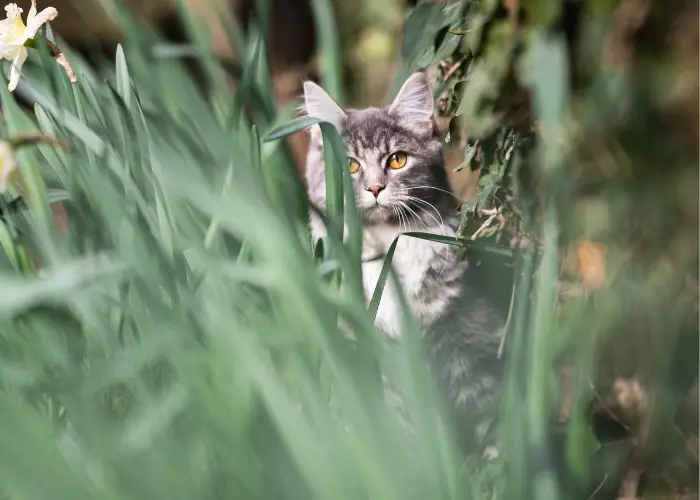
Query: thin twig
<point x="507" y="326"/>
<point x="489" y="211"/>
<point x="460" y="32"/>
<point x="502" y="221"/>
<point x="486" y="224"/>
<point x="453" y="70"/>
<point x="595" y="492"/>
<point x="26" y="138"/>
<point x="630" y="485"/>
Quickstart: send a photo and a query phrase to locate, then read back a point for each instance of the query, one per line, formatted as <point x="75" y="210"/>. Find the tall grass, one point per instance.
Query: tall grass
<point x="181" y="340"/>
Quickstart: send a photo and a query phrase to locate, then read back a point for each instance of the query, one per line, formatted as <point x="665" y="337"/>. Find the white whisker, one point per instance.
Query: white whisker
<point x="440" y="224"/>
<point x="436" y="189"/>
<point x="398" y="216"/>
<point x="395" y="210"/>
<point x="402" y="208"/>
<point x="404" y="218"/>
<point x="413" y="214"/>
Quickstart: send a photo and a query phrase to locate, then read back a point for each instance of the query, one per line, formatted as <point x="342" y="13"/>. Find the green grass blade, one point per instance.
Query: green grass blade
<point x="247" y="81"/>
<point x="123" y="80"/>
<point x="291" y="127"/>
<point x="330" y="49"/>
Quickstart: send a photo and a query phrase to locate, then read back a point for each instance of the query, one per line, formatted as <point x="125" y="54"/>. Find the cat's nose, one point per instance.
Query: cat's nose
<point x="375" y="190"/>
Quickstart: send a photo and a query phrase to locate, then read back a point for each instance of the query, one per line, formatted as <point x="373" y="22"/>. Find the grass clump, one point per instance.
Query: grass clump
<point x="180" y="339"/>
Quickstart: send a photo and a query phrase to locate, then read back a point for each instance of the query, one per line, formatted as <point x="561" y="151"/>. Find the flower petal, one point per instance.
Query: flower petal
<point x="12" y="29"/>
<point x="35" y="21"/>
<point x="8" y="52"/>
<point x="12" y="10"/>
<point x="16" y="69"/>
<point x="32" y="11"/>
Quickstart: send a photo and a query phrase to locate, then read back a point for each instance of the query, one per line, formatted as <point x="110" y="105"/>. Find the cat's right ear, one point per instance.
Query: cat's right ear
<point x="318" y="104"/>
<point x="414" y="103"/>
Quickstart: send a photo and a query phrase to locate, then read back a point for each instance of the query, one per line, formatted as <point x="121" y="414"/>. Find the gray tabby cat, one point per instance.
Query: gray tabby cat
<point x="395" y="157"/>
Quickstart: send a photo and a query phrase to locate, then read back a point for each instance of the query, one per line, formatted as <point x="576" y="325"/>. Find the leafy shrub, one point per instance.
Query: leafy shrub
<point x="559" y="106"/>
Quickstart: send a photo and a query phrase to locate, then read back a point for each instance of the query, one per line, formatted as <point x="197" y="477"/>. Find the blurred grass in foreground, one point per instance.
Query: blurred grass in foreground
<point x="181" y="340"/>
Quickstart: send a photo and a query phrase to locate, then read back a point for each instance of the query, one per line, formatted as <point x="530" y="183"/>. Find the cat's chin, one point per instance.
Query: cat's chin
<point x="379" y="214"/>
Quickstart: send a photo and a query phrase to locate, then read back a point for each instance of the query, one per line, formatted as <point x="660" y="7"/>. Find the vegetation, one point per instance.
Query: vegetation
<point x="179" y="338"/>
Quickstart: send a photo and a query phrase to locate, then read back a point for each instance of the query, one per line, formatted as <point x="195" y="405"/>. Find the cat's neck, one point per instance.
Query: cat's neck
<point x="378" y="237"/>
<point x="407" y="218"/>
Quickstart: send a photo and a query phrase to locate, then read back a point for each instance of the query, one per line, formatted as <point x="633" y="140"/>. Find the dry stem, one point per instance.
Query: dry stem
<point x="61" y="59"/>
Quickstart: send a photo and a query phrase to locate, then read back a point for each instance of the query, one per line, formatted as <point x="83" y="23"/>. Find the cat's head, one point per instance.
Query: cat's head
<point x="394" y="153"/>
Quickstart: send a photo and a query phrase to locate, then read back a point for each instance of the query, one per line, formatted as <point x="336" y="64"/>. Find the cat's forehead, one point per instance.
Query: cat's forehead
<point x="369" y="128"/>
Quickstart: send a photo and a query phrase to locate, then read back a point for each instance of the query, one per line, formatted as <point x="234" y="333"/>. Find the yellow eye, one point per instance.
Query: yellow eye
<point x="397" y="160"/>
<point x="353" y="165"/>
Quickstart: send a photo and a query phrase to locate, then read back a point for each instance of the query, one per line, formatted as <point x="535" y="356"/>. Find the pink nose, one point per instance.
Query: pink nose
<point x="375" y="190"/>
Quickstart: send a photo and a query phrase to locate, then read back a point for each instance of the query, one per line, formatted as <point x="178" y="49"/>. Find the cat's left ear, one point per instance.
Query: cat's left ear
<point x="414" y="103"/>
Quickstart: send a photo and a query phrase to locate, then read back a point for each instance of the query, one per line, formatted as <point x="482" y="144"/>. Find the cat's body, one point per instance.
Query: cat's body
<point x="395" y="157"/>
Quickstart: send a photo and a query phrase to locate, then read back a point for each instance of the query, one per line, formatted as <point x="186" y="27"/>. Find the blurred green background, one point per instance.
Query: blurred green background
<point x="369" y="33"/>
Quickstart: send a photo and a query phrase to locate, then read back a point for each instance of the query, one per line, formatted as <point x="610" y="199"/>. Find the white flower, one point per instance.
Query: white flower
<point x="8" y="165"/>
<point x="14" y="35"/>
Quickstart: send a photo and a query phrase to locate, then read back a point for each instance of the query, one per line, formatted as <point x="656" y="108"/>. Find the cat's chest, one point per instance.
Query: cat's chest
<point x="411" y="253"/>
<point x="420" y="266"/>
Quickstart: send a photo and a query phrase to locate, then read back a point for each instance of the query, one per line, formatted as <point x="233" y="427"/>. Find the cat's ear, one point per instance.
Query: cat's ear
<point x="318" y="104"/>
<point x="414" y="102"/>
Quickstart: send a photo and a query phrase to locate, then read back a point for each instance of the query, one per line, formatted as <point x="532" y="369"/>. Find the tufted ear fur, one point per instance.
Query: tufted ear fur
<point x="319" y="104"/>
<point x="414" y="102"/>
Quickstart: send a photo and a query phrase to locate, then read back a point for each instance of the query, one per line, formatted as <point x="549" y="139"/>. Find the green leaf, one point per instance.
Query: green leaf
<point x="419" y="32"/>
<point x="247" y="80"/>
<point x="8" y="245"/>
<point x="330" y="50"/>
<point x="550" y="77"/>
<point x="198" y="32"/>
<point x="445" y="44"/>
<point x="334" y="179"/>
<point x="20" y="294"/>
<point x="479" y="93"/>
<point x="469" y="152"/>
<point x="18" y="122"/>
<point x="123" y="80"/>
<point x="291" y="127"/>
<point x="57" y="195"/>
